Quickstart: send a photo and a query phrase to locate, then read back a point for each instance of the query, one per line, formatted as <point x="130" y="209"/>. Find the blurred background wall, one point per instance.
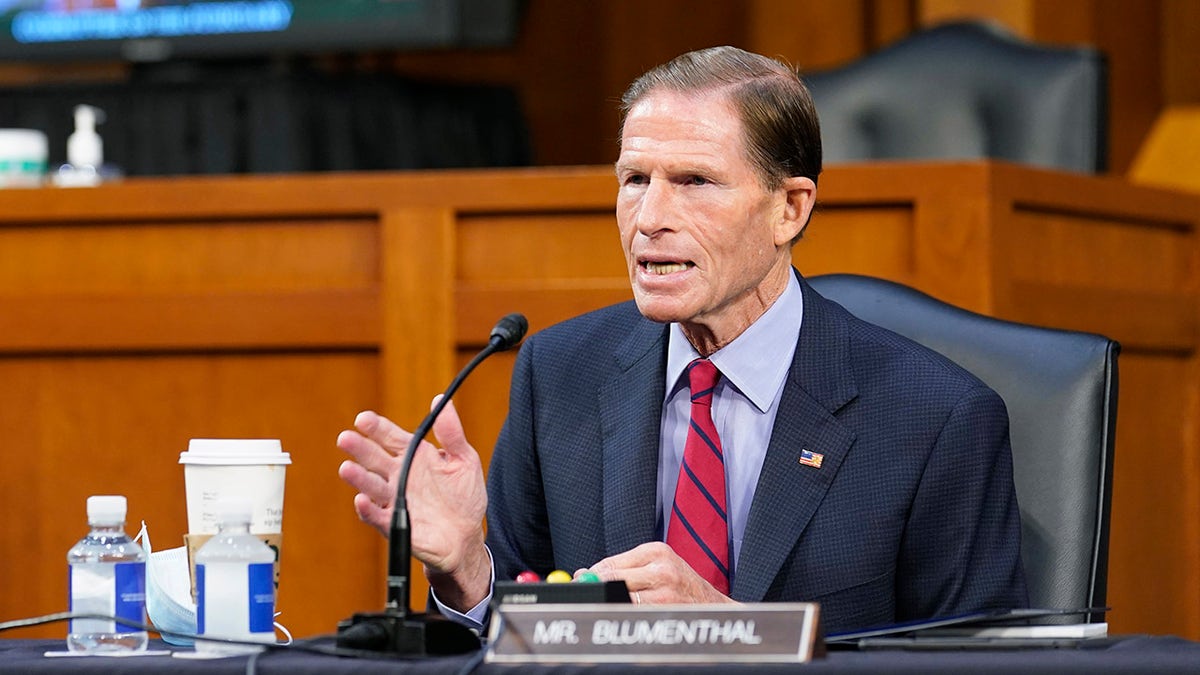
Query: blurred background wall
<point x="571" y="60"/>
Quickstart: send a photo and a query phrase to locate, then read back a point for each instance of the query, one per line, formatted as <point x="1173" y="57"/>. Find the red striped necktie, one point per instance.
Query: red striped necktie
<point x="699" y="528"/>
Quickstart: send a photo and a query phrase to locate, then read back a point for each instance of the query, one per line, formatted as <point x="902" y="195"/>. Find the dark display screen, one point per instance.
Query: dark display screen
<point x="155" y="30"/>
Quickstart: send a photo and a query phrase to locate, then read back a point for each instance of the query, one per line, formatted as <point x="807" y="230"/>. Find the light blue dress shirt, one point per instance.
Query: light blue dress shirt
<point x="753" y="369"/>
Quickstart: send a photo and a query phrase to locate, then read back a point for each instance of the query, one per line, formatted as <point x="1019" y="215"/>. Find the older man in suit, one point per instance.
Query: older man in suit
<point x="730" y="435"/>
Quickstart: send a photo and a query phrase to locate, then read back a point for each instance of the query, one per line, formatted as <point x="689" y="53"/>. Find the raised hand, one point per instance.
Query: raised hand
<point x="447" y="497"/>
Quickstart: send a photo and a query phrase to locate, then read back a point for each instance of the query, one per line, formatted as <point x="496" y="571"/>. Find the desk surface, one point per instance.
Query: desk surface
<point x="1134" y="654"/>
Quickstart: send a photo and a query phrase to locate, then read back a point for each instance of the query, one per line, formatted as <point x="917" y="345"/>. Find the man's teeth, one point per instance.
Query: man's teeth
<point x="665" y="267"/>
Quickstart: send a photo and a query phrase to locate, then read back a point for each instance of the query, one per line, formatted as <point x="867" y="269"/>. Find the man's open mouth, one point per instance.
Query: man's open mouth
<point x="665" y="267"/>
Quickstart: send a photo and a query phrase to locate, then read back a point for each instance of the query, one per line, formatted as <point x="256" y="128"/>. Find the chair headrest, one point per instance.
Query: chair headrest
<point x="964" y="91"/>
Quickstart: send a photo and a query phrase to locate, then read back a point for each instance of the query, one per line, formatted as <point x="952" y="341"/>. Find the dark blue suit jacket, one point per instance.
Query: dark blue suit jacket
<point x="912" y="513"/>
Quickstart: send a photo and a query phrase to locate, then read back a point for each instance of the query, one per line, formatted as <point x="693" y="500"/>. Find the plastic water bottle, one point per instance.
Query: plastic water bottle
<point x="235" y="584"/>
<point x="107" y="576"/>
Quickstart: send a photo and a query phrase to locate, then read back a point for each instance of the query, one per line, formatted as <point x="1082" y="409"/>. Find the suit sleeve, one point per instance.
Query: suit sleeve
<point x="961" y="546"/>
<point x="518" y="526"/>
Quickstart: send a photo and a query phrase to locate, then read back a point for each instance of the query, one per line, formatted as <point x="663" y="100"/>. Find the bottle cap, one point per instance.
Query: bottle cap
<point x="233" y="510"/>
<point x="106" y="509"/>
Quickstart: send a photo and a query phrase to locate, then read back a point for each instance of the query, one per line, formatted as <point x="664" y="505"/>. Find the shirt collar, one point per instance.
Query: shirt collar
<point x="754" y="362"/>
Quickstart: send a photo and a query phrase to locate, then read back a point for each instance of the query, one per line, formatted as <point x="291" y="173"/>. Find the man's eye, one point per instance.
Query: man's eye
<point x="697" y="180"/>
<point x="636" y="179"/>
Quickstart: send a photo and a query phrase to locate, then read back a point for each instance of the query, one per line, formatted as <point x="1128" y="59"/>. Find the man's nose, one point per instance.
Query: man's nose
<point x="656" y="208"/>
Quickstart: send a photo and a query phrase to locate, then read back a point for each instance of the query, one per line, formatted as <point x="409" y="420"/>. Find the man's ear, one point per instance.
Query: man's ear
<point x="800" y="195"/>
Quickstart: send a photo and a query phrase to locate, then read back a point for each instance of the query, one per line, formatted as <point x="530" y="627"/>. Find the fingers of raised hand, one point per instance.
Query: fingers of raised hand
<point x="390" y="436"/>
<point x="367" y="453"/>
<point x="369" y="512"/>
<point x="448" y="431"/>
<point x="370" y="484"/>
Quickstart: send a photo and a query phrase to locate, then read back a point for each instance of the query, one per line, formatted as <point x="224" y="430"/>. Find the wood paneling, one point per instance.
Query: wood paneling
<point x="105" y="423"/>
<point x="785" y="28"/>
<point x="1170" y="157"/>
<point x="1155" y="551"/>
<point x="859" y="238"/>
<point x="1180" y="37"/>
<point x="1017" y="15"/>
<point x="136" y="316"/>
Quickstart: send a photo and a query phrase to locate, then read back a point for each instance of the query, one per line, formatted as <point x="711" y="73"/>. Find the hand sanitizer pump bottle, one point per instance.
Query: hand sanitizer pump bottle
<point x="85" y="153"/>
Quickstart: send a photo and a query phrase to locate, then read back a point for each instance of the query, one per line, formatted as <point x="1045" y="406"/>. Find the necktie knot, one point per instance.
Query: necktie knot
<point x="702" y="379"/>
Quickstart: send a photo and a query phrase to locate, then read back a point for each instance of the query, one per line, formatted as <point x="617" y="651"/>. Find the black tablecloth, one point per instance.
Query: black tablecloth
<point x="1134" y="654"/>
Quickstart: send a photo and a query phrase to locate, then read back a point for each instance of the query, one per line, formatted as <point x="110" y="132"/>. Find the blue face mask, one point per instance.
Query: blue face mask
<point x="169" y="592"/>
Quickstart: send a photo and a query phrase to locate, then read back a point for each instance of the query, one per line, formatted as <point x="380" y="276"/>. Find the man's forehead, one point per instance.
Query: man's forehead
<point x="681" y="124"/>
<point x="664" y="101"/>
<point x="672" y="158"/>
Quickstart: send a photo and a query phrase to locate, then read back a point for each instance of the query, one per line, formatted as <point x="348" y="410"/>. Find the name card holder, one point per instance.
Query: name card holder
<point x="546" y="593"/>
<point x="607" y="633"/>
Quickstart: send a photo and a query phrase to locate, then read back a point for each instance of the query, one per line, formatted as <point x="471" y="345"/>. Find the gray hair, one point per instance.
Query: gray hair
<point x="779" y="119"/>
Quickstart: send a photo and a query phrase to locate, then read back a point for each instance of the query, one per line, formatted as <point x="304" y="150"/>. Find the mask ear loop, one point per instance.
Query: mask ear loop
<point x="283" y="629"/>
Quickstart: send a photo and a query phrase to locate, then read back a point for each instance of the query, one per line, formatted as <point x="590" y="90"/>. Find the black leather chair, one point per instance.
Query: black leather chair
<point x="1060" y="388"/>
<point x="967" y="91"/>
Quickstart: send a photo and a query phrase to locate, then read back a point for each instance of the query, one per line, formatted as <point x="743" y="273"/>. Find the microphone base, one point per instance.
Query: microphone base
<point x="406" y="634"/>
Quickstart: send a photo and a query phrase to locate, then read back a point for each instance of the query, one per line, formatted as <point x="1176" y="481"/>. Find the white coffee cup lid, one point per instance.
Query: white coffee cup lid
<point x="234" y="451"/>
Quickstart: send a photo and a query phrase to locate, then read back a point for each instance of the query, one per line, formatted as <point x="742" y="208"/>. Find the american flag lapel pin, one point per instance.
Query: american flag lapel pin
<point x="810" y="458"/>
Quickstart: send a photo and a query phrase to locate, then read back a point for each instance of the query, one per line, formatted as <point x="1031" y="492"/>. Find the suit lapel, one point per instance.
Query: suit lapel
<point x="631" y="413"/>
<point x="788" y="493"/>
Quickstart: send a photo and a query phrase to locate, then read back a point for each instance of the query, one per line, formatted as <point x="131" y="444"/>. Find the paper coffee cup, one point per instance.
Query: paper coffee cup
<point x="216" y="469"/>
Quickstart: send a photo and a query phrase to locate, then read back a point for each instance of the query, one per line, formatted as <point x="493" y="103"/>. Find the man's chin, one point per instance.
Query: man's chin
<point x="657" y="310"/>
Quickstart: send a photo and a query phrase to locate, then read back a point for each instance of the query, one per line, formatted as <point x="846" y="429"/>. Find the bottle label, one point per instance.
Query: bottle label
<point x="111" y="589"/>
<point x="130" y="596"/>
<point x="262" y="598"/>
<point x="236" y="600"/>
<point x="202" y="599"/>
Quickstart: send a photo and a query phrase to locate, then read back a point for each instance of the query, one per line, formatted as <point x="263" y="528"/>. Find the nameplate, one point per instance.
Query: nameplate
<point x="607" y="633"/>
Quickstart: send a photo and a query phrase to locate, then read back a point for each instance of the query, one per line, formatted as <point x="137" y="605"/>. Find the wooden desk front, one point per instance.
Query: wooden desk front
<point x="138" y="315"/>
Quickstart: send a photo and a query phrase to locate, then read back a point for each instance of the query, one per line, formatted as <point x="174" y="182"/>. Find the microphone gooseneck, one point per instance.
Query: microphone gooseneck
<point x="396" y="630"/>
<point x="506" y="334"/>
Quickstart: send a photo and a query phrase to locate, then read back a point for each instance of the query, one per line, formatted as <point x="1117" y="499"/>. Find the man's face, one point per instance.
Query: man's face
<point x="706" y="244"/>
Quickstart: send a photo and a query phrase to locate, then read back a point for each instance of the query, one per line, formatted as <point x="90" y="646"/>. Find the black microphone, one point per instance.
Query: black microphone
<point x="508" y="332"/>
<point x="396" y="629"/>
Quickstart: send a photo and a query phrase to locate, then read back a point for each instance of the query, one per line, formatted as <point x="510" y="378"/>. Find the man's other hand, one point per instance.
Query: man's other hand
<point x="655" y="574"/>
